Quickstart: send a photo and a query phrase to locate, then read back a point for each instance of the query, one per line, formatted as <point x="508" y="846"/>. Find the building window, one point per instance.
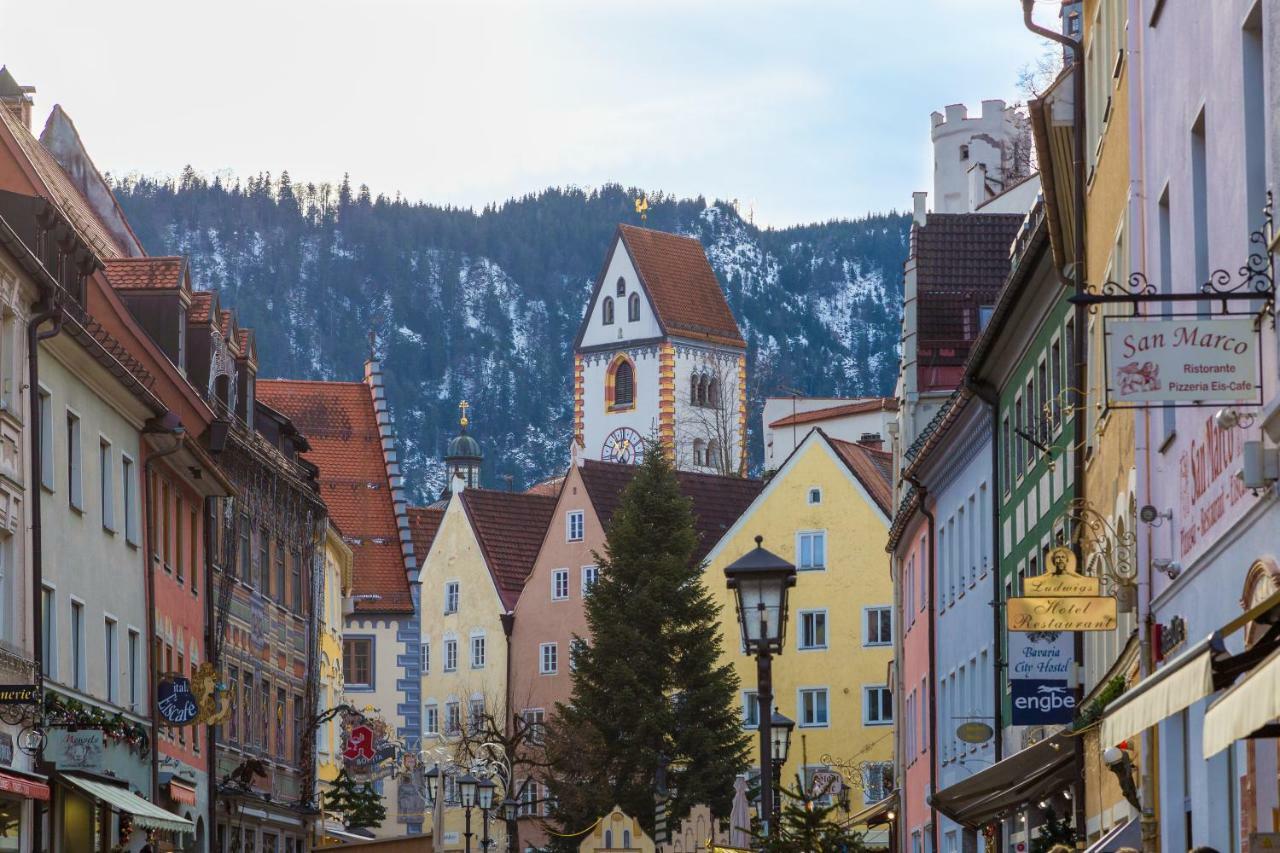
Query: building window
<point x="357" y="662"/>
<point x="535" y="725"/>
<point x="450" y="655"/>
<point x="451" y="597"/>
<point x="811" y="546"/>
<point x="528" y="799"/>
<point x="620" y="384"/>
<point x="233" y="686"/>
<point x="750" y="709"/>
<point x="129" y="489"/>
<point x="295" y="575"/>
<point x="47" y="476"/>
<point x="75" y="479"/>
<point x="548" y="659"/>
<point x="559" y="584"/>
<point x="877" y="781"/>
<point x="813" y="707"/>
<point x="280" y="576"/>
<point x="79" y="675"/>
<point x="879" y="626"/>
<point x="106" y="485"/>
<point x="424" y="657"/>
<point x="475" y="716"/>
<point x="110" y="637"/>
<point x="813" y="629"/>
<point x="431" y="720"/>
<point x="135" y="646"/>
<point x="606" y="311"/>
<point x="633" y="307"/>
<point x="573" y="526"/>
<point x="815" y="496"/>
<point x="589" y="576"/>
<point x="49" y="632"/>
<point x="264" y="557"/>
<point x="452" y="718"/>
<point x="244" y="569"/>
<point x="621" y="289"/>
<point x="877" y="706"/>
<point x="699" y="453"/>
<point x="477" y="651"/>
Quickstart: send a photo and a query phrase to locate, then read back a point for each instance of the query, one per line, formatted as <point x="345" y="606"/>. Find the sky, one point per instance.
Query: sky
<point x="801" y="110"/>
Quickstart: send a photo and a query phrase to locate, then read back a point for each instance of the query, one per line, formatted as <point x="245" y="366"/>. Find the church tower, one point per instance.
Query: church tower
<point x="463" y="458"/>
<point x="659" y="353"/>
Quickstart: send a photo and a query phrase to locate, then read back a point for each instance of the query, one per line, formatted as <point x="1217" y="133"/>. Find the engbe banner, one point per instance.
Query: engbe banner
<point x="1158" y="360"/>
<point x="1040" y="677"/>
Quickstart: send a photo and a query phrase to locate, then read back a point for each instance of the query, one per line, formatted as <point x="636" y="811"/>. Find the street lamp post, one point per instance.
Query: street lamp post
<point x="780" y="728"/>
<point x="760" y="580"/>
<point x="467" y="785"/>
<point x="484" y="798"/>
<point x="509" y="808"/>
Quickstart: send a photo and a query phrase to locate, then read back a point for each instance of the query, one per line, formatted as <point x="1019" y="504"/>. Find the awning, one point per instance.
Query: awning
<point x="30" y="788"/>
<point x="1179" y="684"/>
<point x="182" y="792"/>
<point x="1025" y="777"/>
<point x="1248" y="706"/>
<point x="146" y="815"/>
<point x="1127" y="834"/>
<point x="876" y="813"/>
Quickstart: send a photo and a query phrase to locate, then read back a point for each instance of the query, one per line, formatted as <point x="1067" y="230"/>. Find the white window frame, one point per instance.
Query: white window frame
<point x="866" y="717"/>
<point x="800" y="624"/>
<point x="800" y="708"/>
<point x="107" y="483"/>
<point x="134" y="650"/>
<point x="590" y="576"/>
<point x="424" y="657"/>
<point x="560" y="585"/>
<point x="452" y="597"/>
<point x="48" y="466"/>
<point x="452" y="708"/>
<point x="111" y="656"/>
<point x="575" y="523"/>
<point x="450" y="651"/>
<point x="79" y="646"/>
<point x="750" y="709"/>
<point x="478" y="663"/>
<point x="49" y="628"/>
<point x="129" y="487"/>
<point x="431" y="719"/>
<point x="866" y="637"/>
<point x="548" y="653"/>
<point x="74" y="432"/>
<point x="814" y="491"/>
<point x="819" y="535"/>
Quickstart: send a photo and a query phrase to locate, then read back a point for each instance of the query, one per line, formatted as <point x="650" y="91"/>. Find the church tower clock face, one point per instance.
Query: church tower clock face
<point x="623" y="445"/>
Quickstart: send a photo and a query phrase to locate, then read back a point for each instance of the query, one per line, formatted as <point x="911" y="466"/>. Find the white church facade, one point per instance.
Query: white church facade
<point x="660" y="354"/>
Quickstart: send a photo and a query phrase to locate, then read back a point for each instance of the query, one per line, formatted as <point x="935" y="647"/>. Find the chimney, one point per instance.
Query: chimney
<point x="977" y="186"/>
<point x="15" y="98"/>
<point x="919" y="215"/>
<point x="872" y="440"/>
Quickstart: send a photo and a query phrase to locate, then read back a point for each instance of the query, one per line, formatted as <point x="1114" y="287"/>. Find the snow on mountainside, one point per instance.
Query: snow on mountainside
<point x="484" y="306"/>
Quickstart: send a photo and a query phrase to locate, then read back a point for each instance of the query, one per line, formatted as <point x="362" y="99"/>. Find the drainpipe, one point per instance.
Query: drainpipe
<point x="44" y="312"/>
<point x="988" y="395"/>
<point x="210" y="640"/>
<point x="169" y="425"/>
<point x="1080" y="342"/>
<point x="933" y="654"/>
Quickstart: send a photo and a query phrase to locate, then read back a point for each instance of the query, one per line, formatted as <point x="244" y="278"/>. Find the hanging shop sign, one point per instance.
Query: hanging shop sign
<point x="1042" y="691"/>
<point x="827" y="783"/>
<point x="1183" y="360"/>
<point x="81" y="749"/>
<point x="1062" y="613"/>
<point x="19" y="694"/>
<point x="1063" y="578"/>
<point x="974" y="732"/>
<point x="176" y="702"/>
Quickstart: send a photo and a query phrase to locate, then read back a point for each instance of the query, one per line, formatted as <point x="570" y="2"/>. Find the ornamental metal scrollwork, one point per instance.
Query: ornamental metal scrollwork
<point x="1258" y="274"/>
<point x="1109" y="552"/>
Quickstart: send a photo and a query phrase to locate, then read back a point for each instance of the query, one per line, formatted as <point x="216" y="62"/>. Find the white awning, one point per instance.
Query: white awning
<point x="1177" y="685"/>
<point x="1127" y="834"/>
<point x="145" y="814"/>
<point x="1248" y="706"/>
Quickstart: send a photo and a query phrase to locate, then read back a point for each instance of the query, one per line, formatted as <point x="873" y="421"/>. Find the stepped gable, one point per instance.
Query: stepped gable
<point x="962" y="261"/>
<point x="346" y="445"/>
<point x="861" y="407"/>
<point x="165" y="273"/>
<point x="872" y="468"/>
<point x="510" y="527"/>
<point x="684" y="290"/>
<point x="718" y="501"/>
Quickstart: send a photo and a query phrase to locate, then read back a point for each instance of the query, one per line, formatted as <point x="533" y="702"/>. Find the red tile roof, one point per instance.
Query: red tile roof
<point x="510" y="527"/>
<point x="424" y="524"/>
<point x="874" y="404"/>
<point x="338" y="421"/>
<point x="683" y="288"/>
<point x="718" y="501"/>
<point x="146" y="273"/>
<point x="873" y="468"/>
<point x="203" y="303"/>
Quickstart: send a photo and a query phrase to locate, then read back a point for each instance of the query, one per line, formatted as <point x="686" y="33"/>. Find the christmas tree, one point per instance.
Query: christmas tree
<point x="360" y="806"/>
<point x="649" y="689"/>
<point x="808" y="825"/>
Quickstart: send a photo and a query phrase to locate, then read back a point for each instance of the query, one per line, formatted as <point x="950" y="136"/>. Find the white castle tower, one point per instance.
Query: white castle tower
<point x="659" y="352"/>
<point x="976" y="159"/>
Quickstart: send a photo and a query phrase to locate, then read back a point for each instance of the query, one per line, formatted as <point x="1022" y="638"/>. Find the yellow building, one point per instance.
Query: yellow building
<point x="337" y="585"/>
<point x="617" y="832"/>
<point x="471" y="577"/>
<point x="826" y="510"/>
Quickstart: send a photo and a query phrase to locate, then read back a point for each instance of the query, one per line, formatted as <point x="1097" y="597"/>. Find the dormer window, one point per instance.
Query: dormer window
<point x="622" y="287"/>
<point x="633" y="307"/>
<point x="606" y="311"/>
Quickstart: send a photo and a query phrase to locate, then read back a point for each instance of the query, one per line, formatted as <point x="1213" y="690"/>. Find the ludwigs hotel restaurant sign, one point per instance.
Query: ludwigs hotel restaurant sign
<point x="1151" y="361"/>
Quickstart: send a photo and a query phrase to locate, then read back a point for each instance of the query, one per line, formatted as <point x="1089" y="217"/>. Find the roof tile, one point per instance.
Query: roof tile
<point x="858" y="407"/>
<point x="510" y="527"/>
<point x="873" y="468"/>
<point x="164" y="273"/>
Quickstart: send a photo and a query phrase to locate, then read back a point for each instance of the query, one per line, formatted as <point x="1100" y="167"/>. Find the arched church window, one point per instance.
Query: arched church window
<point x="622" y="287"/>
<point x="626" y="839"/>
<point x="633" y="307"/>
<point x="608" y="839"/>
<point x="699" y="452"/>
<point x="713" y="391"/>
<point x="623" y="385"/>
<point x="694" y="389"/>
<point x="713" y="454"/>
<point x="606" y="311"/>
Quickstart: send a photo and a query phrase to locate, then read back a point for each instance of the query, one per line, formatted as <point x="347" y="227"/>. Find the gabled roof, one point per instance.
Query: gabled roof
<point x="204" y="304"/>
<point x="718" y="500"/>
<point x="338" y="420"/>
<point x="165" y="273"/>
<point x="873" y="468"/>
<point x="424" y="524"/>
<point x="682" y="288"/>
<point x="858" y="407"/>
<point x="510" y="527"/>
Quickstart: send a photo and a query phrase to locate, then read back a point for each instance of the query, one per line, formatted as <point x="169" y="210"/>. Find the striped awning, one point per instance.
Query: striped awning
<point x="145" y="814"/>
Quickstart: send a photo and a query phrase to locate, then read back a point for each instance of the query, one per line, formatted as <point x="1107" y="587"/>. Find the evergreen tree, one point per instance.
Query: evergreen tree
<point x="810" y="826"/>
<point x="1054" y="830"/>
<point x="360" y="806"/>
<point x="648" y="688"/>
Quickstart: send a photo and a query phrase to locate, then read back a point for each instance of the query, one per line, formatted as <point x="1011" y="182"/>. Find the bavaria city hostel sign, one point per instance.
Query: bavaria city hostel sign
<point x="1186" y="360"/>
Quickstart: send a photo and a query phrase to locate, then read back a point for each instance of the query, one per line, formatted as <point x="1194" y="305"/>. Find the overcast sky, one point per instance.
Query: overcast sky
<point x="807" y="109"/>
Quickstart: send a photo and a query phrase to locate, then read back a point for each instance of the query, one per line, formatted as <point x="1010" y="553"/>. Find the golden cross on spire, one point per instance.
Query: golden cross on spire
<point x="463" y="406"/>
<point x="642" y="208"/>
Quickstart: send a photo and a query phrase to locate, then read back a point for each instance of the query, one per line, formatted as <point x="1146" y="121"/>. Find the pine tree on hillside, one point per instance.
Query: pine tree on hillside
<point x="649" y="687"/>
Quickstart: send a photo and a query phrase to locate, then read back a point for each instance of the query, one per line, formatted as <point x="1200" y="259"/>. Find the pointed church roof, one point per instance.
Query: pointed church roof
<point x="682" y="288"/>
